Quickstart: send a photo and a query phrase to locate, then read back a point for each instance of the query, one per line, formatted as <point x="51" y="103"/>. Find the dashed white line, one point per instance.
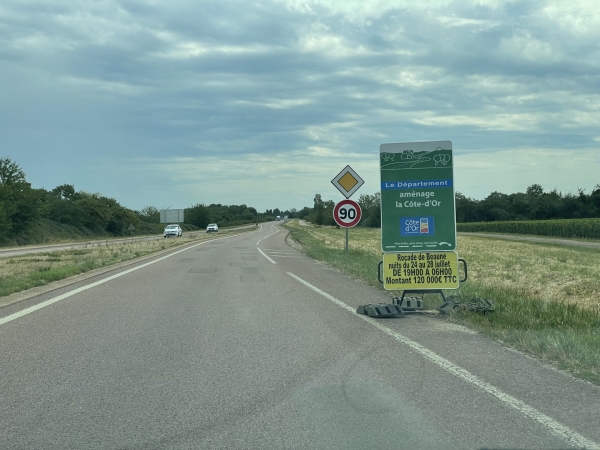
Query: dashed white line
<point x="556" y="428"/>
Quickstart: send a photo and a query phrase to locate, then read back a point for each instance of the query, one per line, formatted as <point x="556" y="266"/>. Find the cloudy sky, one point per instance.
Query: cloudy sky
<point x="172" y="102"/>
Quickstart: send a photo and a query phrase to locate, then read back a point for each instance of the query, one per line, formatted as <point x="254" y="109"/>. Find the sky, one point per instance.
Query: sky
<point x="173" y="103"/>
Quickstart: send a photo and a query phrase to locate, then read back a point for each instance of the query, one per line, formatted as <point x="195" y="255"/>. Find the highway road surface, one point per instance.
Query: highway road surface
<point x="244" y="342"/>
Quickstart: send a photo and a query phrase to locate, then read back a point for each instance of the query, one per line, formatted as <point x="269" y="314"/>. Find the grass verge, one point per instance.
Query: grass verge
<point x="547" y="296"/>
<point x="19" y="273"/>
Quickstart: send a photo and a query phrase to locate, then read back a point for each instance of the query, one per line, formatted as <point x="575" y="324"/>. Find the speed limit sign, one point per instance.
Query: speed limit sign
<point x="347" y="213"/>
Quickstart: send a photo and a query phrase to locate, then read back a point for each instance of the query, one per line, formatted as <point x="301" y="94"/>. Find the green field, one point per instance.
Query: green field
<point x="547" y="296"/>
<point x="563" y="228"/>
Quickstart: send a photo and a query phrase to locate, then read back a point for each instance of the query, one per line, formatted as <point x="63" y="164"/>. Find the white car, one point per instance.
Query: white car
<point x="173" y="230"/>
<point x="212" y="227"/>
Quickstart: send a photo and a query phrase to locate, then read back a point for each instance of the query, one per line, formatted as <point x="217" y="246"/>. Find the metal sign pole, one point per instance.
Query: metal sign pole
<point x="346" y="241"/>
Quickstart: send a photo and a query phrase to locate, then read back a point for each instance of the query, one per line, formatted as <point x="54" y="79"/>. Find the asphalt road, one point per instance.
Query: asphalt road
<point x="243" y="342"/>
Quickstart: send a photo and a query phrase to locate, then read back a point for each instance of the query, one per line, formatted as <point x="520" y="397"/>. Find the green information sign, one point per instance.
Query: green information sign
<point x="417" y="197"/>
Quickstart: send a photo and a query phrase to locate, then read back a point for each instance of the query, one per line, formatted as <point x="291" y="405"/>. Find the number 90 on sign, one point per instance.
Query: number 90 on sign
<point x="347" y="213"/>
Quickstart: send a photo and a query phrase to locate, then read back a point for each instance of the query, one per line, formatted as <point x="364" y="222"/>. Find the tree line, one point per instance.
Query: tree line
<point x="25" y="210"/>
<point x="21" y="207"/>
<point x="201" y="215"/>
<point x="533" y="204"/>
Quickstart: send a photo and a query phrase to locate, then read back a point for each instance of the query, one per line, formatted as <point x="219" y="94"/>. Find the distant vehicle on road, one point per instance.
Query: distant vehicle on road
<point x="278" y="217"/>
<point x="212" y="227"/>
<point x="173" y="230"/>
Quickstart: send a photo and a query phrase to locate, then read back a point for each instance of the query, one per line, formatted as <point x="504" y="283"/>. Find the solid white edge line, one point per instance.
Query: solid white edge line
<point x="265" y="255"/>
<point x="53" y="300"/>
<point x="557" y="429"/>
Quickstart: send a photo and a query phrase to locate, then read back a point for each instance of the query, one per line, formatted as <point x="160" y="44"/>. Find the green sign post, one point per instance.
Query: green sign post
<point x="417" y="197"/>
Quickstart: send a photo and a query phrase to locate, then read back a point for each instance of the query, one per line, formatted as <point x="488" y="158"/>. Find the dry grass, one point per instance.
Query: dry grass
<point x="548" y="272"/>
<point x="362" y="239"/>
<point x="552" y="273"/>
<point x="546" y="296"/>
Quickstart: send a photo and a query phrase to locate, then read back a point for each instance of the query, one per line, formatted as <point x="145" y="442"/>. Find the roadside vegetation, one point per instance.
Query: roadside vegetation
<point x="534" y="212"/>
<point x="564" y="228"/>
<point x="535" y="205"/>
<point x="40" y="216"/>
<point x="63" y="214"/>
<point x="547" y="296"/>
<point x="19" y="273"/>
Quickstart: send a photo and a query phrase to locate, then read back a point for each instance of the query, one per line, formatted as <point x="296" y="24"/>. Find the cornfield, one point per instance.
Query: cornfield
<point x="566" y="228"/>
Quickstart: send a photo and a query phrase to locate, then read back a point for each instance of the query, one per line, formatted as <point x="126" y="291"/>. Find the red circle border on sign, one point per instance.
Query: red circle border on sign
<point x="358" y="213"/>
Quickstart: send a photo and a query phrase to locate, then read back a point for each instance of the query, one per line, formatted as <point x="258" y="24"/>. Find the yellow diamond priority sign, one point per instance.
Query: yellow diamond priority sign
<point x="347" y="182"/>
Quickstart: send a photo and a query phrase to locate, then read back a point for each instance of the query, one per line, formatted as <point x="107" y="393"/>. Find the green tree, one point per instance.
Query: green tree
<point x="370" y="206"/>
<point x="496" y="207"/>
<point x="304" y="212"/>
<point x="20" y="204"/>
<point x="119" y="217"/>
<point x="198" y="215"/>
<point x="328" y="219"/>
<point x="59" y="209"/>
<point x="5" y="223"/>
<point x="365" y="202"/>
<point x="96" y="213"/>
<point x="64" y="191"/>
<point x="374" y="212"/>
<point x="149" y="214"/>
<point x="535" y="190"/>
<point x="319" y="210"/>
<point x="10" y="173"/>
<point x="595" y="199"/>
<point x="247" y="215"/>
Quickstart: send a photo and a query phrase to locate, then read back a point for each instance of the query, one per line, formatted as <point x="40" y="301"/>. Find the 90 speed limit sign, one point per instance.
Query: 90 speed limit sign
<point x="347" y="213"/>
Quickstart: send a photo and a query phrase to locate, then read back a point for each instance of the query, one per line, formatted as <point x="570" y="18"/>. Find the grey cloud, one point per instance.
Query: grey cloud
<point x="195" y="78"/>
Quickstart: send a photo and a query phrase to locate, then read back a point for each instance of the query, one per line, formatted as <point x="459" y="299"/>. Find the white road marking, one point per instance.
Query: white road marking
<point x="51" y="301"/>
<point x="276" y="231"/>
<point x="259" y="241"/>
<point x="556" y="428"/>
<point x="285" y="256"/>
<point x="265" y="255"/>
